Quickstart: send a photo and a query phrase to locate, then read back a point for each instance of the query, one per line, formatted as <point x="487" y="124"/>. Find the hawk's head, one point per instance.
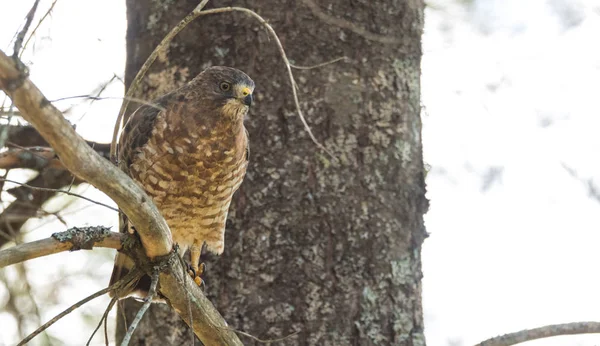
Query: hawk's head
<point x="228" y="89"/>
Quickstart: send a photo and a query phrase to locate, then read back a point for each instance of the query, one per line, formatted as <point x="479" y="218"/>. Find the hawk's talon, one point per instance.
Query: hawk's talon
<point x="196" y="274"/>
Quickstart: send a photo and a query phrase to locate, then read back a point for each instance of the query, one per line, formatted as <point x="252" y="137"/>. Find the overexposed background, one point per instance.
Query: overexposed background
<point x="511" y="97"/>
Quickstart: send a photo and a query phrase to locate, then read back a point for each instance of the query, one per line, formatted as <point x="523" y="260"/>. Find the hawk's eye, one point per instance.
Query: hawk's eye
<point x="225" y="86"/>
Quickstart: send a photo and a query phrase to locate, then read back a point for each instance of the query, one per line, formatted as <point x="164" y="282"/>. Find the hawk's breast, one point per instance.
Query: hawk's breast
<point x="191" y="174"/>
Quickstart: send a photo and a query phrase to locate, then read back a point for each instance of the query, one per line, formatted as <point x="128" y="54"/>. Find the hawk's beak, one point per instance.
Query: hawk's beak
<point x="248" y="100"/>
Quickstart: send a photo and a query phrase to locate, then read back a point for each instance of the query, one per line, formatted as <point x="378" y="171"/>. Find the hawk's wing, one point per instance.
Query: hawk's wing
<point x="136" y="134"/>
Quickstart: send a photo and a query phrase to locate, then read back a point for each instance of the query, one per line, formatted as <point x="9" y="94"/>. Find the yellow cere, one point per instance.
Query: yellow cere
<point x="246" y="91"/>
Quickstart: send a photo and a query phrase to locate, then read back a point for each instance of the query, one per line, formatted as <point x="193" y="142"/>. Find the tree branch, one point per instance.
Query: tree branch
<point x="70" y="240"/>
<point x="132" y="275"/>
<point x="543" y="332"/>
<point x="28" y="136"/>
<point x="344" y="24"/>
<point x="33" y="158"/>
<point x="59" y="191"/>
<point x="29" y="201"/>
<point x="176" y="285"/>
<point x="83" y="160"/>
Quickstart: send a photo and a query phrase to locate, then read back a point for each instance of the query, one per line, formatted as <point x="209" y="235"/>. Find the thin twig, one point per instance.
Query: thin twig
<point x="4" y="133"/>
<point x="187" y="298"/>
<point x="142" y="311"/>
<point x="61" y="191"/>
<point x="267" y="341"/>
<point x="23" y="32"/>
<point x="121" y="308"/>
<point x="129" y="277"/>
<point x="96" y="98"/>
<point x="103" y="319"/>
<point x="37" y="26"/>
<point x="162" y="46"/>
<point x="36" y="158"/>
<point x="297" y="67"/>
<point x="287" y="66"/>
<point x="26" y="288"/>
<point x="113" y="301"/>
<point x="197" y="12"/>
<point x="51" y="245"/>
<point x="543" y="332"/>
<point x="135" y="203"/>
<point x="344" y="24"/>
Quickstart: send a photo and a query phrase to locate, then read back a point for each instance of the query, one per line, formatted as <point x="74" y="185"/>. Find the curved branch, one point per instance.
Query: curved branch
<point x="344" y="24"/>
<point x="71" y="240"/>
<point x="28" y="202"/>
<point x="543" y="332"/>
<point x="176" y="286"/>
<point x="33" y="158"/>
<point x="82" y="160"/>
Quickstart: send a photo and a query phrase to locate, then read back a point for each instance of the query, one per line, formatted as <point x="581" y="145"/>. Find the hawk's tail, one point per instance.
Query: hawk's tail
<point x="138" y="288"/>
<point x="123" y="265"/>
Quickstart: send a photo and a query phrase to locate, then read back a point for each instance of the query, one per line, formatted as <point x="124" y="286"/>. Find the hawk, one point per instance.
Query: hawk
<point x="189" y="151"/>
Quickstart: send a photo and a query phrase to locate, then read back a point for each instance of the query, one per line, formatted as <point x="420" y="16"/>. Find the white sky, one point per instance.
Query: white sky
<point x="506" y="85"/>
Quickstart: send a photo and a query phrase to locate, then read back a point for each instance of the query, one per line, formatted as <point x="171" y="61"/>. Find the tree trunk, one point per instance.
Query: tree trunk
<point x="331" y="250"/>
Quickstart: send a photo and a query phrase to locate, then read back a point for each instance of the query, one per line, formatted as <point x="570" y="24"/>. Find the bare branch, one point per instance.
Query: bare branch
<point x="132" y="275"/>
<point x="266" y="341"/>
<point x="112" y="303"/>
<point x="83" y="160"/>
<point x="543" y="332"/>
<point x="344" y="24"/>
<point x="162" y="46"/>
<point x="28" y="202"/>
<point x="36" y="158"/>
<point x="287" y="65"/>
<point x="23" y="32"/>
<point x="143" y="309"/>
<point x="152" y="228"/>
<point x="27" y="136"/>
<point x="4" y="133"/>
<point x="297" y="67"/>
<point x="60" y="191"/>
<point x="180" y="290"/>
<point x="37" y="26"/>
<point x="70" y="240"/>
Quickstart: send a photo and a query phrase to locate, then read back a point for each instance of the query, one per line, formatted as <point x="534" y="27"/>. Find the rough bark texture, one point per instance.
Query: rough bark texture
<point x="331" y="250"/>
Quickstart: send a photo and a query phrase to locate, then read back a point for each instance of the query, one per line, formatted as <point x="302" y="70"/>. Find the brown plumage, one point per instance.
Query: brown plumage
<point x="189" y="152"/>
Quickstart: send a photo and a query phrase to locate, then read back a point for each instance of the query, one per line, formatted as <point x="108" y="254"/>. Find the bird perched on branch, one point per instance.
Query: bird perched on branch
<point x="189" y="152"/>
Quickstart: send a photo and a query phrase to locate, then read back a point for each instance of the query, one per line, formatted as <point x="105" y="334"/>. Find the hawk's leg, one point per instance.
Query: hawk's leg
<point x="197" y="268"/>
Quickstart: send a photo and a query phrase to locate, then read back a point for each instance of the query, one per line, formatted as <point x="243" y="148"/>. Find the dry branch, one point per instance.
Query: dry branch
<point x="152" y="228"/>
<point x="132" y="275"/>
<point x="66" y="192"/>
<point x="143" y="309"/>
<point x="111" y="304"/>
<point x="83" y="160"/>
<point x="197" y="12"/>
<point x="23" y="32"/>
<point x="543" y="332"/>
<point x="28" y="202"/>
<point x="344" y="24"/>
<point x="37" y="26"/>
<point x="33" y="158"/>
<point x="164" y="44"/>
<point x="70" y="240"/>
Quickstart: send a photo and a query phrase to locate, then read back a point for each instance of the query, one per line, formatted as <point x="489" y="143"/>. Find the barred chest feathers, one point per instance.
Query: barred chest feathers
<point x="191" y="173"/>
